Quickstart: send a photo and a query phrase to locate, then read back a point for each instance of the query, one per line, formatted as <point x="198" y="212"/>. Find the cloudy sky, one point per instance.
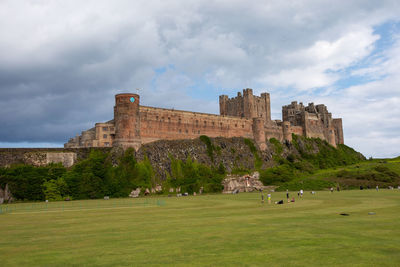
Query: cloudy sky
<point x="61" y="62"/>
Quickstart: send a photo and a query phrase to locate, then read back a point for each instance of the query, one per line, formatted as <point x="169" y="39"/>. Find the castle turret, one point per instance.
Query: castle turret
<point x="287" y="134"/>
<point x="127" y="121"/>
<point x="259" y="132"/>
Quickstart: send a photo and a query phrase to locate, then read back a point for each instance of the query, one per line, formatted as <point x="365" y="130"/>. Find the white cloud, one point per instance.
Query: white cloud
<point x="315" y="66"/>
<point x="371" y="111"/>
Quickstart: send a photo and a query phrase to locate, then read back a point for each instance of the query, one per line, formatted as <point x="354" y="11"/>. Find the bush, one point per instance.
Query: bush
<point x="277" y="145"/>
<point x="191" y="175"/>
<point x="87" y="179"/>
<point x="210" y="147"/>
<point x="277" y="175"/>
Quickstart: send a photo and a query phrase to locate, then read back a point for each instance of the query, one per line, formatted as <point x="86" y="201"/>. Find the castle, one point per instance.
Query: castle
<point x="245" y="115"/>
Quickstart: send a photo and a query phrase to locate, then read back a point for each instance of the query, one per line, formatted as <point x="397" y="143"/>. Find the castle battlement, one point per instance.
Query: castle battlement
<point x="245" y="115"/>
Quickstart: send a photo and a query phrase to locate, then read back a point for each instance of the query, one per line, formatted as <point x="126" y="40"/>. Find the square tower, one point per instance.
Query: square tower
<point x="246" y="106"/>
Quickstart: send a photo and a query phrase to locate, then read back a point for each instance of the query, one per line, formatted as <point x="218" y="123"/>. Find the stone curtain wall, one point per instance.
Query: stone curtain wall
<point x="42" y="156"/>
<point x="169" y="124"/>
<point x="314" y="128"/>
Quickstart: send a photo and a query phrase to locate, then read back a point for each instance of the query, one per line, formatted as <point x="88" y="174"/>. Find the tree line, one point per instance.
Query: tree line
<point x="97" y="176"/>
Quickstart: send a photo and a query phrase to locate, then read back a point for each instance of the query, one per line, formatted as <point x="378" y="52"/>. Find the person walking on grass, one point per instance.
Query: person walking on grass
<point x="301" y="193"/>
<point x="287" y="195"/>
<point x="377" y="188"/>
<point x="269" y="198"/>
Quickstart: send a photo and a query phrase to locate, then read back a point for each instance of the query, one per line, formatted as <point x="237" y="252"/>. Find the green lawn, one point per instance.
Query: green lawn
<point x="208" y="230"/>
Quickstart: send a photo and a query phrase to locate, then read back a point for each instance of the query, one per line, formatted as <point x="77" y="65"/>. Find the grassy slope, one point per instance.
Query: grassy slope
<point x="362" y="167"/>
<point x="207" y="230"/>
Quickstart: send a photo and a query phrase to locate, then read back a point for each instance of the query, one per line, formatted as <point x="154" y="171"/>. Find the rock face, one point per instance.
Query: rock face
<point x="230" y="152"/>
<point x="245" y="183"/>
<point x="5" y="195"/>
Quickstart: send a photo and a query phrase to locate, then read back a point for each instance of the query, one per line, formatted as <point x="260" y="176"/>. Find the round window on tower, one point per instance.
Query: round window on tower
<point x="132" y="99"/>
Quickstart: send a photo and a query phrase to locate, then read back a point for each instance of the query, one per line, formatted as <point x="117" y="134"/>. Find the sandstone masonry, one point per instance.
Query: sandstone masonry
<point x="245" y="115"/>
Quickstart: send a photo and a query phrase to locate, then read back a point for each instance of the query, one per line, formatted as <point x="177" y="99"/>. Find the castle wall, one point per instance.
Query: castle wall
<point x="338" y="128"/>
<point x="313" y="126"/>
<point x="297" y="130"/>
<point x="87" y="137"/>
<point x="273" y="129"/>
<point x="169" y="124"/>
<point x="43" y="156"/>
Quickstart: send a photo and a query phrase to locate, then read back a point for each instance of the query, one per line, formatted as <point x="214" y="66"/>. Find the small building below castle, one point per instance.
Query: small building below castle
<point x="245" y="115"/>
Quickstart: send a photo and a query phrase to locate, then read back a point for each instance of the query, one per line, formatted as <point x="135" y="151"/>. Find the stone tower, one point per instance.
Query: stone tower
<point x="246" y="106"/>
<point x="259" y="132"/>
<point x="127" y="121"/>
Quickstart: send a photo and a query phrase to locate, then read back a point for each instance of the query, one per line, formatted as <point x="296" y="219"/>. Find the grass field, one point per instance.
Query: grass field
<point x="208" y="230"/>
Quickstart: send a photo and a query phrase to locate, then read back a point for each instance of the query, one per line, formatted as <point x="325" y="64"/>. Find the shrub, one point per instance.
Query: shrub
<point x="257" y="160"/>
<point x="210" y="147"/>
<point x="277" y="145"/>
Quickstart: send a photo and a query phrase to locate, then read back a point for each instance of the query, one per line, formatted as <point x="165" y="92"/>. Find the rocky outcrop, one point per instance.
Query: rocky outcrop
<point x="245" y="183"/>
<point x="135" y="193"/>
<point x="232" y="153"/>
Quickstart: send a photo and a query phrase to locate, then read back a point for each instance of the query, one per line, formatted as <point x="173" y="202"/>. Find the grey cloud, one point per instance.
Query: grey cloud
<point x="62" y="62"/>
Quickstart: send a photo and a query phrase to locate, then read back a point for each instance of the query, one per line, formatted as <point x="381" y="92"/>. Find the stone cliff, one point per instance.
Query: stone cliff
<point x="235" y="154"/>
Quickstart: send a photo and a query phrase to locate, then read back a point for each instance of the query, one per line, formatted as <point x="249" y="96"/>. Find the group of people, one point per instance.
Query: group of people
<point x="300" y="194"/>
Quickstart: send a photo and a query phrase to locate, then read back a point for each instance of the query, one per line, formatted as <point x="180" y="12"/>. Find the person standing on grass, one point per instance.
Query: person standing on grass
<point x="262" y="198"/>
<point x="287" y="195"/>
<point x="269" y="198"/>
<point x="331" y="189"/>
<point x="377" y="188"/>
<point x="301" y="193"/>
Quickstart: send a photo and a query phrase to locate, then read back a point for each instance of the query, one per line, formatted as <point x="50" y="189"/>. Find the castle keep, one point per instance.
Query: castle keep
<point x="245" y="115"/>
